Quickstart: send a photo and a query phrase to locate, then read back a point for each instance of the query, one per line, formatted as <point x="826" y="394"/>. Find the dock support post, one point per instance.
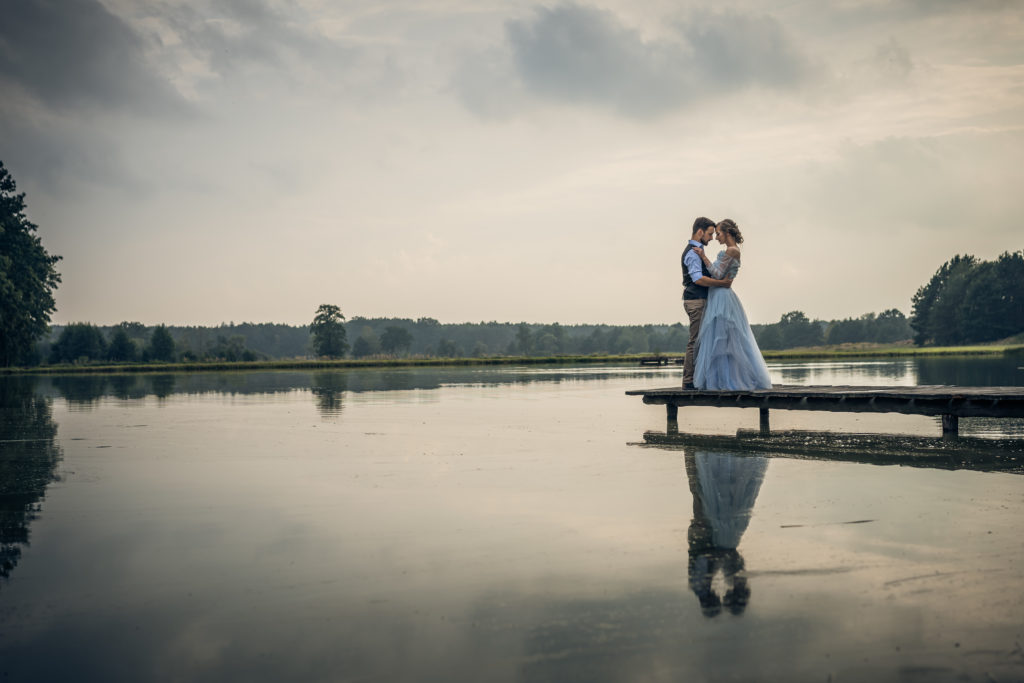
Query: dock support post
<point x="673" y="411"/>
<point x="765" y="429"/>
<point x="950" y="426"/>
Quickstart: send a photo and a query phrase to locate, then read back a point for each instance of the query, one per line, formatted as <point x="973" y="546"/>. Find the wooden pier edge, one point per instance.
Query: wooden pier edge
<point x="948" y="402"/>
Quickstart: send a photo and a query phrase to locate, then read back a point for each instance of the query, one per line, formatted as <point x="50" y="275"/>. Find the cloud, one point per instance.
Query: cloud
<point x="892" y="62"/>
<point x="577" y="54"/>
<point x="585" y="56"/>
<point x="47" y="150"/>
<point x="228" y="36"/>
<point x="953" y="182"/>
<point x="73" y="53"/>
<point x="733" y="50"/>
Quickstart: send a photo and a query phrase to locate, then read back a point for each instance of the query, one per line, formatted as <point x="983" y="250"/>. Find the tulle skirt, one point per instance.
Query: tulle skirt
<point x="727" y="354"/>
<point x="728" y="488"/>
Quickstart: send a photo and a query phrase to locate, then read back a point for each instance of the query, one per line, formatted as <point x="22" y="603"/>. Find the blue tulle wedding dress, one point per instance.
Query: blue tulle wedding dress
<point x="727" y="354"/>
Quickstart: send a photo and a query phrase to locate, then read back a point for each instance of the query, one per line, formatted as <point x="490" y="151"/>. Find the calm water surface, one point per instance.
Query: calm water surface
<point x="496" y="524"/>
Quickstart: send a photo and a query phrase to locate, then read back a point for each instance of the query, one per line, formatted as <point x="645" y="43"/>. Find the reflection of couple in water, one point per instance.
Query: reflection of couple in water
<point x="724" y="488"/>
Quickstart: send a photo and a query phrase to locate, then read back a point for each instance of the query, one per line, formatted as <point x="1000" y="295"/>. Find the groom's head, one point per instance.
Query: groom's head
<point x="703" y="230"/>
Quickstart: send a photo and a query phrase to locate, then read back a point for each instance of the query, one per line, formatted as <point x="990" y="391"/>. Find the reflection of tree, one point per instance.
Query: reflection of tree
<point x="724" y="488"/>
<point x="124" y="387"/>
<point x="163" y="385"/>
<point x="977" y="372"/>
<point x="329" y="388"/>
<point x="28" y="459"/>
<point x="81" y="390"/>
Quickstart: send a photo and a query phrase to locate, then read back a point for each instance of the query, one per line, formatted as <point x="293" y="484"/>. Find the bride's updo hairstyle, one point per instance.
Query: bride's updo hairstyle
<point x="729" y="227"/>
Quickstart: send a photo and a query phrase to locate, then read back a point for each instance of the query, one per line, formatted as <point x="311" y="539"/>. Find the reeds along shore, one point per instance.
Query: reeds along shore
<point x="823" y="353"/>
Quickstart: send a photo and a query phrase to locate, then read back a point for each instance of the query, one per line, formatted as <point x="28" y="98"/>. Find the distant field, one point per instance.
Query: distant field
<point x="884" y="351"/>
<point x="822" y="352"/>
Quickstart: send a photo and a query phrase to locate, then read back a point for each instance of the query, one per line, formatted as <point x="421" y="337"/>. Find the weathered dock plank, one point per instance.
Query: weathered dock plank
<point x="949" y="402"/>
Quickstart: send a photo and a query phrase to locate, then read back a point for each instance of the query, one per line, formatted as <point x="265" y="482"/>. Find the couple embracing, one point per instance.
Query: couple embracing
<point x="722" y="353"/>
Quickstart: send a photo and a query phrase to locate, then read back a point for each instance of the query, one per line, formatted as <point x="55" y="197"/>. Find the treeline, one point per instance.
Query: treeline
<point x="367" y="337"/>
<point x="135" y="342"/>
<point x="426" y="337"/>
<point x="969" y="301"/>
<point x="795" y="330"/>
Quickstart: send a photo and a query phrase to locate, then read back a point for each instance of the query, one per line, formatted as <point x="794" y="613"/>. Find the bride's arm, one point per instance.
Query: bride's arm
<point x="718" y="268"/>
<point x="703" y="257"/>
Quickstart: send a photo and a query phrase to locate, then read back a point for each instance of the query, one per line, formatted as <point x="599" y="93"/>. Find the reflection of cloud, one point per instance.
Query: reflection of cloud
<point x="576" y="54"/>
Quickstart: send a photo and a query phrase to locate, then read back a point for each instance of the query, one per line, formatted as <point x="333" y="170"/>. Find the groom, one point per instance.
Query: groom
<point x="696" y="281"/>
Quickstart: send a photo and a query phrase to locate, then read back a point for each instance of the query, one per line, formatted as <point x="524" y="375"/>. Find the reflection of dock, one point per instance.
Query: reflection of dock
<point x="949" y="402"/>
<point x="968" y="453"/>
<point x="661" y="360"/>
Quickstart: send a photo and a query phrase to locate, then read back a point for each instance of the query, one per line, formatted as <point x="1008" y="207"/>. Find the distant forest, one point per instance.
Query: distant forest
<point x="969" y="301"/>
<point x="966" y="301"/>
<point x="376" y="337"/>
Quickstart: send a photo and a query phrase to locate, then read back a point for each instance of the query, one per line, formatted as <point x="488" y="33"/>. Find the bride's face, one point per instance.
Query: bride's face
<point x="720" y="235"/>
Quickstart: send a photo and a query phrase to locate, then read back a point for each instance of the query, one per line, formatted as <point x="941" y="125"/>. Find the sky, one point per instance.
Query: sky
<point x="208" y="161"/>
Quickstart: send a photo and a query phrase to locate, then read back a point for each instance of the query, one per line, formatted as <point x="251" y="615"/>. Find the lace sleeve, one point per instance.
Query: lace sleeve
<point x="720" y="266"/>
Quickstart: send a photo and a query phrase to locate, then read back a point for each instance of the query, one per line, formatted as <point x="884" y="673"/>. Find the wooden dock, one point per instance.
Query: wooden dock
<point x="661" y="360"/>
<point x="949" y="402"/>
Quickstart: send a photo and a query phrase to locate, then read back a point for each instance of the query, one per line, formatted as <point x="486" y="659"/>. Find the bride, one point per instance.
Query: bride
<point x="727" y="354"/>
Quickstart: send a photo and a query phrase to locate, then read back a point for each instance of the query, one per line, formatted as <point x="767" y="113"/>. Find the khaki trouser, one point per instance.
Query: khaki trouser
<point x="695" y="311"/>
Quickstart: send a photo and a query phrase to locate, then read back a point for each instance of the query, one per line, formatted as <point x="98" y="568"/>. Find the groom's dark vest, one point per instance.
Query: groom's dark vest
<point x="691" y="290"/>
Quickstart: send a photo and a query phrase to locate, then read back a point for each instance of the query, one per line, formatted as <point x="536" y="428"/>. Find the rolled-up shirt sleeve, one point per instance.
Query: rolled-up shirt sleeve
<point x="692" y="263"/>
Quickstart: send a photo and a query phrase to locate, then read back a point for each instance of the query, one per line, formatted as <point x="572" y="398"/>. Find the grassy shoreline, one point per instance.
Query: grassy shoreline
<point x="814" y="353"/>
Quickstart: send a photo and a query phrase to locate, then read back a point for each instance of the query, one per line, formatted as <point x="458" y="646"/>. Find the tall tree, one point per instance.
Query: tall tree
<point x="329" y="332"/>
<point x="28" y="277"/>
<point x="366" y="343"/>
<point x="78" y="341"/>
<point x="890" y="326"/>
<point x="922" y="318"/>
<point x="447" y="348"/>
<point x="524" y="339"/>
<point x="796" y="330"/>
<point x="768" y="337"/>
<point x="161" y="344"/>
<point x="121" y="347"/>
<point x="946" y="322"/>
<point x="993" y="303"/>
<point x="395" y="339"/>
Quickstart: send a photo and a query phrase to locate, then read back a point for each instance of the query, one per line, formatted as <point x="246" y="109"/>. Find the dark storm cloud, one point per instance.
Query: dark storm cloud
<point x="70" y="53"/>
<point x="70" y="72"/>
<point x="52" y="153"/>
<point x="577" y="54"/>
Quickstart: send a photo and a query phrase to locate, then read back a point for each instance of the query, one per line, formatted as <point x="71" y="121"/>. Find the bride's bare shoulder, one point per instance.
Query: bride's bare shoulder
<point x="733" y="252"/>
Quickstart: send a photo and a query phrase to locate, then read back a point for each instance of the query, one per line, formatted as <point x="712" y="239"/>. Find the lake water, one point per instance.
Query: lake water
<point x="498" y="524"/>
